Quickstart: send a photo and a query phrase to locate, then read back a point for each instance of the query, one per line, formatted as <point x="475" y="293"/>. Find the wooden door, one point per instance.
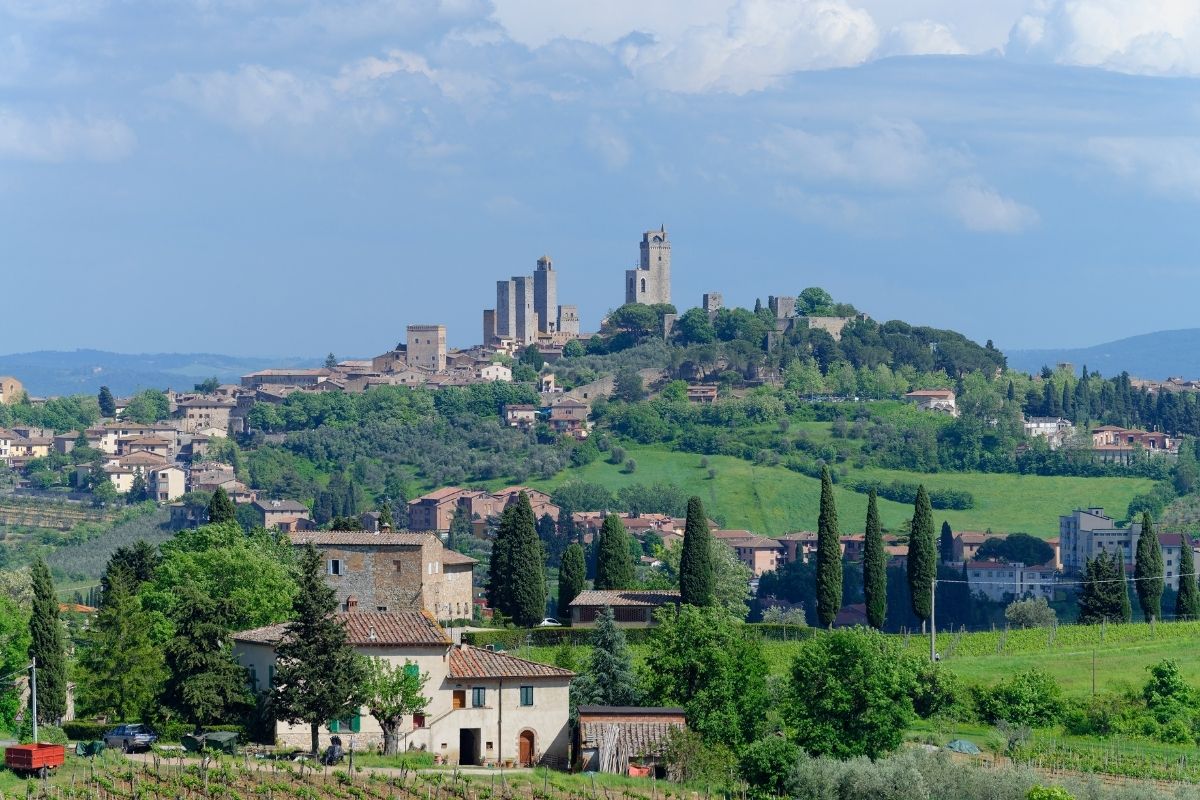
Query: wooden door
<point x="525" y="749"/>
<point x="460" y="699"/>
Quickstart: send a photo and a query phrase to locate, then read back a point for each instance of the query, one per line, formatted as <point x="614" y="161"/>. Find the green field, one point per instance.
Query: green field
<point x="774" y="500"/>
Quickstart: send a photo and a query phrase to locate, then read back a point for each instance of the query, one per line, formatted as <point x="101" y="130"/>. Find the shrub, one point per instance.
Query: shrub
<point x="690" y="759"/>
<point x="768" y="765"/>
<point x="82" y="730"/>
<point x="1049" y="793"/>
<point x="1028" y="698"/>
<point x="938" y="692"/>
<point x="1032" y="613"/>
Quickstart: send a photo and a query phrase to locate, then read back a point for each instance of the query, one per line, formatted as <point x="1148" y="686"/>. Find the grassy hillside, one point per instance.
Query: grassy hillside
<point x="773" y="500"/>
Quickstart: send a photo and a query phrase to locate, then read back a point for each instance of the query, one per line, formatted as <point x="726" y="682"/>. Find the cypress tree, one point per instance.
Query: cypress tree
<point x="1187" y="600"/>
<point x="567" y="531"/>
<point x="108" y="404"/>
<point x="696" y="579"/>
<point x="1120" y="587"/>
<point x="46" y="647"/>
<point x="1092" y="600"/>
<point x="517" y="582"/>
<point x="572" y="576"/>
<point x="385" y="515"/>
<point x="461" y="530"/>
<point x="322" y="508"/>
<point x="318" y="675"/>
<point x="922" y="556"/>
<point x="829" y="555"/>
<point x="946" y="543"/>
<point x="874" y="567"/>
<point x="1148" y="571"/>
<point x="221" y="508"/>
<point x="614" y="563"/>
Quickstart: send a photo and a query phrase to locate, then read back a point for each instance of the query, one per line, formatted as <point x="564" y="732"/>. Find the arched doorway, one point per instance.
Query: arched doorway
<point x="525" y="750"/>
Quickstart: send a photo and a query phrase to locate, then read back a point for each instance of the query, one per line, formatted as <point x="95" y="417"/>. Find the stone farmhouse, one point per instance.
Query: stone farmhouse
<point x="435" y="511"/>
<point x="485" y="707"/>
<point x="939" y="400"/>
<point x="394" y="571"/>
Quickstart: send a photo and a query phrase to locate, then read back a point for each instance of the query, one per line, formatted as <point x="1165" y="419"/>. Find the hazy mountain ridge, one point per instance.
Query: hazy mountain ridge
<point x="1157" y="355"/>
<point x="60" y="372"/>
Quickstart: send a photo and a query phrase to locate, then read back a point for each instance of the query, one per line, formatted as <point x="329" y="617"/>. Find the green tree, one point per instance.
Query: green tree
<point x="922" y="556"/>
<point x="874" y="566"/>
<point x="700" y="658"/>
<point x="1103" y="595"/>
<point x="768" y="765"/>
<point x="46" y="646"/>
<point x="573" y="349"/>
<point x="609" y="679"/>
<point x="394" y="691"/>
<point x="148" y="406"/>
<point x="696" y="579"/>
<point x="461" y="530"/>
<point x="946" y="544"/>
<point x="205" y="684"/>
<point x="318" y="675"/>
<point x="1016" y="547"/>
<point x="1187" y="599"/>
<point x="330" y="361"/>
<point x="731" y="577"/>
<point x="815" y="302"/>
<point x="108" y="403"/>
<point x="829" y="555"/>
<point x="14" y="656"/>
<point x="628" y="386"/>
<point x="208" y="385"/>
<point x="385" y="516"/>
<point x="532" y="356"/>
<point x="139" y="490"/>
<point x="1148" y="571"/>
<point x="850" y="694"/>
<point x="614" y="565"/>
<point x="120" y="667"/>
<point x="517" y="578"/>
<point x="221" y="508"/>
<point x="694" y="327"/>
<point x="136" y="562"/>
<point x="572" y="576"/>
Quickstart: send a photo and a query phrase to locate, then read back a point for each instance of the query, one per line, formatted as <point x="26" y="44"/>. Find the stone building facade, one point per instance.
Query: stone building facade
<point x="545" y="295"/>
<point x="484" y="707"/>
<point x="568" y="320"/>
<point x="650" y="282"/>
<point x="394" y="571"/>
<point x="426" y="347"/>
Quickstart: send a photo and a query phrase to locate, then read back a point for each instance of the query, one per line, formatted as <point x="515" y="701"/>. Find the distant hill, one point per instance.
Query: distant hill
<point x="60" y="372"/>
<point x="1151" y="355"/>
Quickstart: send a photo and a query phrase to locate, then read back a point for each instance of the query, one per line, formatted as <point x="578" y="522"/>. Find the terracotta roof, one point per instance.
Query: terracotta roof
<point x="280" y="505"/>
<point x="366" y="629"/>
<point x="633" y="739"/>
<point x="930" y="393"/>
<point x="626" y="597"/>
<point x="797" y="536"/>
<point x="467" y="661"/>
<point x="151" y="440"/>
<point x="732" y="534"/>
<point x="755" y="542"/>
<point x="454" y="557"/>
<point x="395" y="538"/>
<point x="440" y="494"/>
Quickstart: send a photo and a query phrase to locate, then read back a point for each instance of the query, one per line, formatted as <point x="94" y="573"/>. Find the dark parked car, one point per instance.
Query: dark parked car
<point x="130" y="738"/>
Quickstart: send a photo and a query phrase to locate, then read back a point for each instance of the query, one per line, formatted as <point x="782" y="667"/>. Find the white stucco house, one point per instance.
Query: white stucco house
<point x="485" y="707"/>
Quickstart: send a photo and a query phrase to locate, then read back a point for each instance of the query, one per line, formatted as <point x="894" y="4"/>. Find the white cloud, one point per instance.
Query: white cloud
<point x="63" y="137"/>
<point x="1152" y="37"/>
<point x="253" y="97"/>
<point x="920" y="37"/>
<point x="886" y="154"/>
<point x="760" y="42"/>
<point x="607" y="142"/>
<point x="983" y="209"/>
<point x="1169" y="165"/>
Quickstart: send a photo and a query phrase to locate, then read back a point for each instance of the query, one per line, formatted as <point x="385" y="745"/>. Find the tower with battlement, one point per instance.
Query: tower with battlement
<point x="650" y="283"/>
<point x="545" y="295"/>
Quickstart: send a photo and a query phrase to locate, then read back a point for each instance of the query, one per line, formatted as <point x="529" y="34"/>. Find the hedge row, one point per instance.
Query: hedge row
<point x="513" y="638"/>
<point x="901" y="492"/>
<point x="84" y="730"/>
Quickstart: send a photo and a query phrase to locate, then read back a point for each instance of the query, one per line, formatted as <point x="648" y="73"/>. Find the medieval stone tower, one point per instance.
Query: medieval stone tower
<point x="650" y="283"/>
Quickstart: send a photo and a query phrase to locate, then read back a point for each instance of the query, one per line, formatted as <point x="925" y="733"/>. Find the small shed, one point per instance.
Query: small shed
<point x="625" y="739"/>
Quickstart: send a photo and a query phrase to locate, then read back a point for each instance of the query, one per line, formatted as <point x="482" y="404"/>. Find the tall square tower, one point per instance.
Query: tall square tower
<point x="524" y="317"/>
<point x="545" y="295"/>
<point x="426" y="347"/>
<point x="650" y="283"/>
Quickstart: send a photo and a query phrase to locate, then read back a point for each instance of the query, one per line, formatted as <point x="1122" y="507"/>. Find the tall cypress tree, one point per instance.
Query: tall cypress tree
<point x="1187" y="600"/>
<point x="1148" y="571"/>
<point x="221" y="508"/>
<point x="829" y="555"/>
<point x="614" y="562"/>
<point x="517" y="582"/>
<point x="922" y="556"/>
<point x="46" y="647"/>
<point x="1119" y="587"/>
<point x="108" y="404"/>
<point x="572" y="576"/>
<point x="696" y="579"/>
<point x="318" y="675"/>
<point x="874" y="567"/>
<point x="1093" y="596"/>
<point x="946" y="544"/>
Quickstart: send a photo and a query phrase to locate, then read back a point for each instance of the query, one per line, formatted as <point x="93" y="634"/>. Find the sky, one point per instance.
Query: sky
<point x="293" y="177"/>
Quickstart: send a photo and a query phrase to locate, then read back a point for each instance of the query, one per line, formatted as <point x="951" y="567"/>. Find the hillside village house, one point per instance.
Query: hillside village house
<point x="11" y="390"/>
<point x="1111" y="444"/>
<point x="1055" y="430"/>
<point x="283" y="514"/>
<point x="1001" y="581"/>
<point x="1085" y="533"/>
<point x="939" y="400"/>
<point x="631" y="607"/>
<point x="205" y="413"/>
<point x="285" y="377"/>
<point x="435" y="511"/>
<point x="394" y="571"/>
<point x="485" y="707"/>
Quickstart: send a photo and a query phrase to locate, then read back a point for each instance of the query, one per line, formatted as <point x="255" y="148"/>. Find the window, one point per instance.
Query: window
<point x="347" y="725"/>
<point x="381" y="608"/>
<point x="335" y="566"/>
<point x="478" y="697"/>
<point x="253" y="679"/>
<point x="526" y="695"/>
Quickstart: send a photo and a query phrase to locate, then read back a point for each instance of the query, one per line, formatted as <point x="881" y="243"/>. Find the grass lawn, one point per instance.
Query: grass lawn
<point x="774" y="500"/>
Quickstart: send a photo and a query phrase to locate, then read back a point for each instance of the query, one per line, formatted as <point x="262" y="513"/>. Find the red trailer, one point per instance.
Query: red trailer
<point x="34" y="759"/>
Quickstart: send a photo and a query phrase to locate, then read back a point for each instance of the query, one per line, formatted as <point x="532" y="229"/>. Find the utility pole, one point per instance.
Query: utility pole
<point x="932" y="621"/>
<point x="33" y="696"/>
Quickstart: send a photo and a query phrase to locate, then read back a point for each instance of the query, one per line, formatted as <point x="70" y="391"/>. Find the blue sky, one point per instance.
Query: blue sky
<point x="293" y="177"/>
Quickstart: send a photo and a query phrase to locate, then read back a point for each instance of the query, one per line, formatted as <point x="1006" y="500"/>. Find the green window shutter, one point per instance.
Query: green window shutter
<point x="271" y="675"/>
<point x="334" y="726"/>
<point x="356" y="723"/>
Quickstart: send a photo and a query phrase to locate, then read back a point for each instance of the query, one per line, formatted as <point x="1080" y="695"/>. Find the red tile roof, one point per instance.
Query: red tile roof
<point x="467" y="661"/>
<point x="626" y="597"/>
<point x="377" y="538"/>
<point x="366" y="629"/>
